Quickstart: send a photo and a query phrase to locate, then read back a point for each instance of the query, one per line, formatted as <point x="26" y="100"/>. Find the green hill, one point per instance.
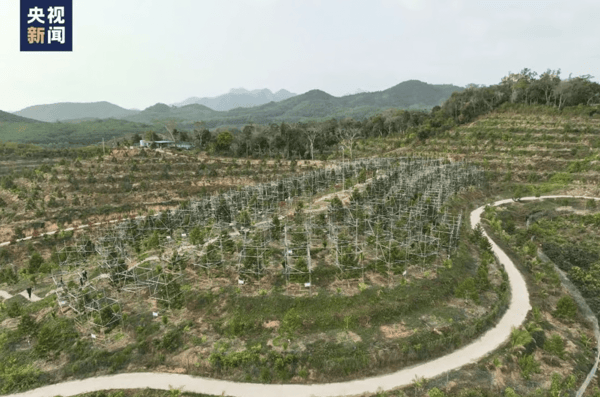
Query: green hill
<point x="86" y="125"/>
<point x="69" y="110"/>
<point x="404" y="95"/>
<point x="11" y="118"/>
<point x="312" y="105"/>
<point x="68" y="134"/>
<point x="160" y="111"/>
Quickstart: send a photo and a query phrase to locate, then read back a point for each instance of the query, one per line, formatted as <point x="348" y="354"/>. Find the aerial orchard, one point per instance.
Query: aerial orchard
<point x="393" y="214"/>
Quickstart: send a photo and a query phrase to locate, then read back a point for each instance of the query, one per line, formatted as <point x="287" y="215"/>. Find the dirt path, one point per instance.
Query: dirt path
<point x="487" y="343"/>
<point x="34" y="297"/>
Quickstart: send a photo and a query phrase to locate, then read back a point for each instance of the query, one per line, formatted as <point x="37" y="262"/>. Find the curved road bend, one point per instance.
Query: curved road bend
<point x="515" y="316"/>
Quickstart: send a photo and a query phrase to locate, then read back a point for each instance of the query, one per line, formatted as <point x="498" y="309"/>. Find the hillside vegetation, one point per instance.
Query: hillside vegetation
<point x="6" y="117"/>
<point x="69" y="110"/>
<point x="314" y="105"/>
<point x="64" y="135"/>
<point x="297" y="111"/>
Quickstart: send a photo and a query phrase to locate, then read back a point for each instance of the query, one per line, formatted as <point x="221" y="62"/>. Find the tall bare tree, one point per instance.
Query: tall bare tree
<point x="348" y="132"/>
<point x="198" y="128"/>
<point x="247" y="136"/>
<point x="170" y="127"/>
<point x="311" y="133"/>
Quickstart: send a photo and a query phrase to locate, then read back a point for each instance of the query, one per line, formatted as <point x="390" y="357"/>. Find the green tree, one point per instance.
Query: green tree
<point x="150" y="136"/>
<point x="35" y="262"/>
<point x="224" y="141"/>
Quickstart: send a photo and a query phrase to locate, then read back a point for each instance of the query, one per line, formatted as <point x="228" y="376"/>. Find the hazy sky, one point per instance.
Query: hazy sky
<point x="136" y="53"/>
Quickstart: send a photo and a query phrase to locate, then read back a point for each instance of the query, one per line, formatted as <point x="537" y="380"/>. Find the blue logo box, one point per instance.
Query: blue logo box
<point x="46" y="25"/>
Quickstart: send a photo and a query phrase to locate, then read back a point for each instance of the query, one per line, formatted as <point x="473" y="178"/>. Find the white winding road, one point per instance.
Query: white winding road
<point x="515" y="315"/>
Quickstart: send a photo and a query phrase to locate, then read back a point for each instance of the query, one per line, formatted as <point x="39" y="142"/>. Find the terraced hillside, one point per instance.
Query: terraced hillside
<point x="535" y="148"/>
<point x="125" y="182"/>
<point x="525" y="151"/>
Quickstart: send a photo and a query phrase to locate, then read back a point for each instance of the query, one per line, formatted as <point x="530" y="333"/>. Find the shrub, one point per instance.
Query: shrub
<point x="54" y="335"/>
<point x="15" y="377"/>
<point x="35" y="262"/>
<point x="4" y="255"/>
<point x="590" y="204"/>
<point x="172" y="340"/>
<point x="291" y="321"/>
<point x="303" y="373"/>
<point x="509" y="392"/>
<point x="435" y="392"/>
<point x="362" y="176"/>
<point x="238" y="325"/>
<point x="519" y="337"/>
<point x="558" y="386"/>
<point x="566" y="308"/>
<point x="8" y="276"/>
<point x="152" y="241"/>
<point x="483" y="282"/>
<point x="13" y="309"/>
<point x="197" y="236"/>
<point x="555" y="346"/>
<point x="528" y="366"/>
<point x="561" y="178"/>
<point x="27" y="325"/>
<point x="467" y="290"/>
<point x="265" y="375"/>
<point x="18" y="233"/>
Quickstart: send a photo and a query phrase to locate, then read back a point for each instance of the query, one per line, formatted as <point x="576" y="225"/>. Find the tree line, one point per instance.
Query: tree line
<point x="316" y="138"/>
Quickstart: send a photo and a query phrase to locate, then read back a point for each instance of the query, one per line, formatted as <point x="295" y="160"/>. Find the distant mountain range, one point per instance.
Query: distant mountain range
<point x="238" y="97"/>
<point x="244" y="106"/>
<point x="69" y="111"/>
<point x="312" y="105"/>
